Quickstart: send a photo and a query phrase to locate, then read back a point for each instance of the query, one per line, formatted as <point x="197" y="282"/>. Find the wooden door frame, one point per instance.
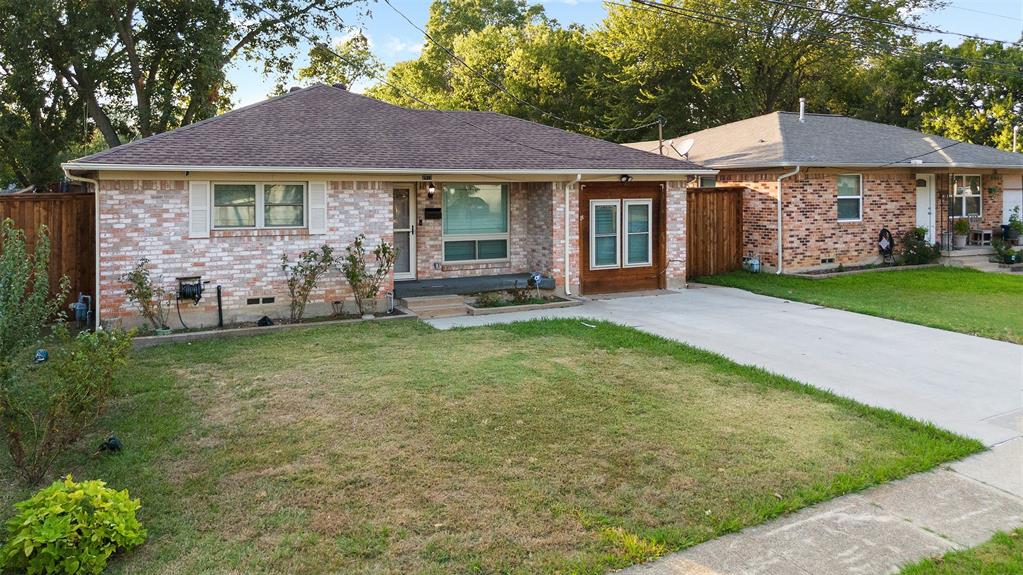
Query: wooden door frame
<point x="629" y="191"/>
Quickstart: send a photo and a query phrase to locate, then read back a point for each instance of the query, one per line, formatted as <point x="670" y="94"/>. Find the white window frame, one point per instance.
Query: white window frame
<point x="506" y="236"/>
<point x="979" y="195"/>
<point x="859" y="218"/>
<point x="649" y="233"/>
<point x="593" y="234"/>
<point x="260" y="206"/>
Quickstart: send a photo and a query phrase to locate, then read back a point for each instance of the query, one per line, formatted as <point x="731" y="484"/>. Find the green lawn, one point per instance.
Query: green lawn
<point x="543" y="447"/>
<point x="1002" y="555"/>
<point x="956" y="299"/>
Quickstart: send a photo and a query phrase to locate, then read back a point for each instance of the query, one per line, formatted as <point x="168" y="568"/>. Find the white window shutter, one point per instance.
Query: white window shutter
<point x="198" y="209"/>
<point x="317" y="207"/>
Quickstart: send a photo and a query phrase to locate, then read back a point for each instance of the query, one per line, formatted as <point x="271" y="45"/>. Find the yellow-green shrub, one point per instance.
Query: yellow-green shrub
<point x="71" y="528"/>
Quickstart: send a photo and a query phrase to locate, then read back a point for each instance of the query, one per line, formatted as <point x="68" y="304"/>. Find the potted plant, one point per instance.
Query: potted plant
<point x="1015" y="227"/>
<point x="151" y="300"/>
<point x="962" y="232"/>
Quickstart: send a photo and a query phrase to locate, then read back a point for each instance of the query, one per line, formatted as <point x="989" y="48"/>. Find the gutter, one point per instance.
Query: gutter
<point x="780" y="178"/>
<point x="568" y="286"/>
<point x="435" y="171"/>
<point x="95" y="249"/>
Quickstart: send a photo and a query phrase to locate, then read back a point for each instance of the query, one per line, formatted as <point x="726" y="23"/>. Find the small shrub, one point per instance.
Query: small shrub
<point x="962" y="227"/>
<point x="489" y="299"/>
<point x="914" y="248"/>
<point x="151" y="300"/>
<point x="303" y="274"/>
<point x="71" y="528"/>
<point x="46" y="408"/>
<point x="1004" y="252"/>
<point x="365" y="284"/>
<point x="1016" y="222"/>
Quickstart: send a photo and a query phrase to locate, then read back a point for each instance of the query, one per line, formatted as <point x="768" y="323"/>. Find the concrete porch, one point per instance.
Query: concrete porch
<point x="457" y="286"/>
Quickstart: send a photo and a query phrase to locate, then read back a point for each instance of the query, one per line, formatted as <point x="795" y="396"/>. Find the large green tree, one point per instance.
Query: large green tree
<point x="141" y="67"/>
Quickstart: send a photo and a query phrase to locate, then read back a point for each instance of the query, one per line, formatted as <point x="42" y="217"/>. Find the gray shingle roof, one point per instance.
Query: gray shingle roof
<point x="780" y="139"/>
<point x="324" y="127"/>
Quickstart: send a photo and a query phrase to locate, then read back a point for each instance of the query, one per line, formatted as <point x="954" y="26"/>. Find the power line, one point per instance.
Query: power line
<point x="880" y="48"/>
<point x="427" y="105"/>
<point x="904" y="25"/>
<point x="495" y="84"/>
<point x="974" y="10"/>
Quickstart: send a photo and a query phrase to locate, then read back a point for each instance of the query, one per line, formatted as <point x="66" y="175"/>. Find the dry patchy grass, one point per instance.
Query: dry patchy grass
<point x="538" y="447"/>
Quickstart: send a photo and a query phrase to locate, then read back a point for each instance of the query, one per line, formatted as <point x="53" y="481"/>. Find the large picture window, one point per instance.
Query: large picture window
<point x="850" y="197"/>
<point x="966" y="197"/>
<point x="475" y="220"/>
<point x="250" y="205"/>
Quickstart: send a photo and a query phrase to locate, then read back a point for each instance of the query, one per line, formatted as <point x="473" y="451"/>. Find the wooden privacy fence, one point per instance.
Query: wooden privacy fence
<point x="71" y="220"/>
<point x="713" y="231"/>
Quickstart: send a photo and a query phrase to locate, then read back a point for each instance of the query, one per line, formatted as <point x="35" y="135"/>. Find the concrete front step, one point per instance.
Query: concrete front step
<point x="436" y="306"/>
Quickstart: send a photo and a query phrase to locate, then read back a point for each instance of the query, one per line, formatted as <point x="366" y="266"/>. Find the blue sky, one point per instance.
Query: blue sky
<point x="394" y="40"/>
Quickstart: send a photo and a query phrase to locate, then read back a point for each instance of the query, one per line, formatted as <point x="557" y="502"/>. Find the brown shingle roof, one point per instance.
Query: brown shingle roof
<point x="324" y="127"/>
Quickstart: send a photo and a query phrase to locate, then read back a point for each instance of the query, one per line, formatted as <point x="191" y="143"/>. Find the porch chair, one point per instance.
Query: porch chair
<point x="978" y="235"/>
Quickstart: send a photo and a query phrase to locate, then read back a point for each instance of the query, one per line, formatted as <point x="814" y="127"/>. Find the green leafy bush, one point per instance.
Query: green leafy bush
<point x="914" y="249"/>
<point x="303" y="274"/>
<point x="1004" y="252"/>
<point x="366" y="284"/>
<point x="46" y="408"/>
<point x="962" y="227"/>
<point x="152" y="300"/>
<point x="71" y="528"/>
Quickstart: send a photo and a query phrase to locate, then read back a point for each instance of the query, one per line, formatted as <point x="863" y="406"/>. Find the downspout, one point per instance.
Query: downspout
<point x="95" y="194"/>
<point x="780" y="178"/>
<point x="568" y="286"/>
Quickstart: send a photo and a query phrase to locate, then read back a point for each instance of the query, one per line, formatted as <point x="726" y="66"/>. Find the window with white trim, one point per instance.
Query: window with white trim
<point x="240" y="205"/>
<point x="605" y="236"/>
<point x="850" y="197"/>
<point x="966" y="199"/>
<point x="475" y="222"/>
<point x="638" y="237"/>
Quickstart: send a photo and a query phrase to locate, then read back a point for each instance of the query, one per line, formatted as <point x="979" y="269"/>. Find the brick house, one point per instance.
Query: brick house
<point x="842" y="180"/>
<point x="458" y="193"/>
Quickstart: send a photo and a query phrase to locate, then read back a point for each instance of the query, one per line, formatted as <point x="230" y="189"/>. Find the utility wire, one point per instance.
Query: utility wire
<point x="427" y="105"/>
<point x="880" y="48"/>
<point x="904" y="25"/>
<point x="494" y="83"/>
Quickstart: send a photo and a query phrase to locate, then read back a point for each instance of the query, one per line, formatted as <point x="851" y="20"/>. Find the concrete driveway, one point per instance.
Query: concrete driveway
<point x="967" y="384"/>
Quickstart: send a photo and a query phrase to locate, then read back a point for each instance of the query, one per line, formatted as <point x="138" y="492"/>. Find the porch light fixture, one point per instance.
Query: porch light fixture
<point x="625" y="178"/>
<point x="430" y="190"/>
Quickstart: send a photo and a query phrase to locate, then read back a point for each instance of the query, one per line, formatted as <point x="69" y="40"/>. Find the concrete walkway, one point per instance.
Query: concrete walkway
<point x="970" y="385"/>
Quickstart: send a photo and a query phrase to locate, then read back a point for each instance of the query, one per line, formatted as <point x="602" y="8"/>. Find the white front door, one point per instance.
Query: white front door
<point x="925" y="207"/>
<point x="1012" y="196"/>
<point x="405" y="232"/>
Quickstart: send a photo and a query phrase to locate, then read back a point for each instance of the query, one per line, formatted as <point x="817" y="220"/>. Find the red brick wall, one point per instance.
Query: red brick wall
<point x="990" y="203"/>
<point x="150" y="218"/>
<point x="676" y="234"/>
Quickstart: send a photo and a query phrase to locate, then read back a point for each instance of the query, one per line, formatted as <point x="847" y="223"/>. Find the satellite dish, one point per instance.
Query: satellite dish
<point x="682" y="148"/>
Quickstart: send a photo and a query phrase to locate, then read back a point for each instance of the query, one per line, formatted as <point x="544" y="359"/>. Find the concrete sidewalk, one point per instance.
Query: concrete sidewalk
<point x="970" y="385"/>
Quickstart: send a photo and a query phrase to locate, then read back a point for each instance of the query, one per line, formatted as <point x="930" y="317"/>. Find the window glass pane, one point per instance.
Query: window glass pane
<point x="401" y="208"/>
<point x="972" y="205"/>
<point x="283" y="205"/>
<point x="605" y="251"/>
<point x="234" y="205"/>
<point x="848" y="208"/>
<point x="957" y="206"/>
<point x="849" y="186"/>
<point x="283" y="216"/>
<point x="475" y="209"/>
<point x="459" y="251"/>
<point x="491" y="249"/>
<point x="402" y="263"/>
<point x="639" y="217"/>
<point x="605" y="219"/>
<point x="638" y="251"/>
<point x="708" y="181"/>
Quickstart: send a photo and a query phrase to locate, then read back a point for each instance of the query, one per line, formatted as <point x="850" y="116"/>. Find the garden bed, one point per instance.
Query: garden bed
<point x="250" y="328"/>
<point x="489" y="303"/>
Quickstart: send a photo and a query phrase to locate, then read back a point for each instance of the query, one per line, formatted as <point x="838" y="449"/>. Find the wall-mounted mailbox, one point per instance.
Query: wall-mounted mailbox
<point x="432" y="213"/>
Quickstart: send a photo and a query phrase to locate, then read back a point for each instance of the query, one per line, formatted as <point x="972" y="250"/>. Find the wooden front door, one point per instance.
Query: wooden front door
<point x="621" y="237"/>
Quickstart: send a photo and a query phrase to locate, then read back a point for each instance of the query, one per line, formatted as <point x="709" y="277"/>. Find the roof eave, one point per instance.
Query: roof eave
<point x="89" y="166"/>
<point x="931" y="165"/>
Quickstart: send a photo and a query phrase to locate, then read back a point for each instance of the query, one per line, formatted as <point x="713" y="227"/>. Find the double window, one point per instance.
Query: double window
<point x="475" y="222"/>
<point x="850" y="197"/>
<point x="251" y="205"/>
<point x="966" y="200"/>
<point x="620" y="233"/>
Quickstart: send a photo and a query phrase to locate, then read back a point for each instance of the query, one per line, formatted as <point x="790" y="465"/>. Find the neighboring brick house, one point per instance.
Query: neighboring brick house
<point x="458" y="193"/>
<point x="843" y="180"/>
